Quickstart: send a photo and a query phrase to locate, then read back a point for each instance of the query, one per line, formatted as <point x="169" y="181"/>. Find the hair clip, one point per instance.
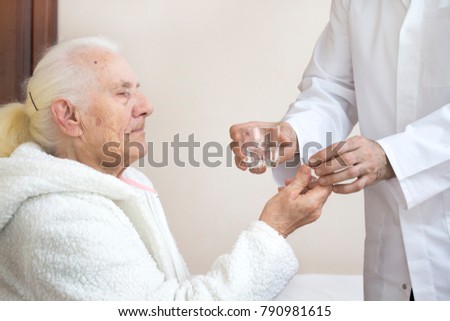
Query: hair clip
<point x="32" y="100"/>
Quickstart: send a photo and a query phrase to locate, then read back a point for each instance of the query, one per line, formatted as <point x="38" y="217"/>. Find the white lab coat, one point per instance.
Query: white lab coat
<point x="386" y="64"/>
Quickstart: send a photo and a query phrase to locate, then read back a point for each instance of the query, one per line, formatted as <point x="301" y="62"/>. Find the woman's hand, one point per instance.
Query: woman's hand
<point x="297" y="204"/>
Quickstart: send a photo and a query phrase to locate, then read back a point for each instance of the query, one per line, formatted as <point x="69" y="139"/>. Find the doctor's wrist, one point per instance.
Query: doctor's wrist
<point x="389" y="171"/>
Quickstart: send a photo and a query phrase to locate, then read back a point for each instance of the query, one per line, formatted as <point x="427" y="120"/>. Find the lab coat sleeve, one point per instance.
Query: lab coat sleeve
<point x="325" y="111"/>
<point x="420" y="157"/>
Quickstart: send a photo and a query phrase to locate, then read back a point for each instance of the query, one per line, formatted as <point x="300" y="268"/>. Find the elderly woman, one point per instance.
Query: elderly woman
<point x="72" y="228"/>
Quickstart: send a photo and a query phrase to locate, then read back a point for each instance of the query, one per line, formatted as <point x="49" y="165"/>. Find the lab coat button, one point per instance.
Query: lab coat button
<point x="404" y="286"/>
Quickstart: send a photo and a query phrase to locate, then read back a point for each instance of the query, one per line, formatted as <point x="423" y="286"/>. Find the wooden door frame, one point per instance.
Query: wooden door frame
<point x="44" y="30"/>
<point x="29" y="26"/>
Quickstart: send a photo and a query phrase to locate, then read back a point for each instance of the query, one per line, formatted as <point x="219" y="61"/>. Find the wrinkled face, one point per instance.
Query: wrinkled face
<point x="113" y="122"/>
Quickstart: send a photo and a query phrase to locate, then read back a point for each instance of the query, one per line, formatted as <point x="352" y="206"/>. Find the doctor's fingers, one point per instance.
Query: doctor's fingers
<point x="339" y="163"/>
<point x="242" y="165"/>
<point x="258" y="170"/>
<point x="348" y="173"/>
<point x="238" y="155"/>
<point x="336" y="150"/>
<point x="236" y="148"/>
<point x="240" y="133"/>
<point x="237" y="140"/>
<point x="354" y="187"/>
<point x="239" y="159"/>
<point x="237" y="130"/>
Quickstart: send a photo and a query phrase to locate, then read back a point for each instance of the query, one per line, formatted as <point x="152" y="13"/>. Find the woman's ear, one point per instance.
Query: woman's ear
<point x="66" y="118"/>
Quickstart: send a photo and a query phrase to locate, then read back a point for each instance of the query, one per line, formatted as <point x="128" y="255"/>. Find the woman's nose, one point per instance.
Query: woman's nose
<point x="142" y="106"/>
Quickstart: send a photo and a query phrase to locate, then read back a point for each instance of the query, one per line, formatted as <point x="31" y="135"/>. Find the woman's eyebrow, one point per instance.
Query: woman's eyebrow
<point x="126" y="85"/>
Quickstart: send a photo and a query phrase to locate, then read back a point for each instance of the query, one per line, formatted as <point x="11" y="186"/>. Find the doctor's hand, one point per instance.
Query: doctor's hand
<point x="297" y="204"/>
<point x="286" y="139"/>
<point x="357" y="158"/>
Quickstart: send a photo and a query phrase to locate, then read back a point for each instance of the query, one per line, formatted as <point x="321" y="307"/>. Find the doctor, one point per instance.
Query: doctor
<point x="385" y="64"/>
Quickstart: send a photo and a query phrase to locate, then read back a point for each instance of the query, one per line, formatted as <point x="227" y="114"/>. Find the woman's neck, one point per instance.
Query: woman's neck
<point x="67" y="150"/>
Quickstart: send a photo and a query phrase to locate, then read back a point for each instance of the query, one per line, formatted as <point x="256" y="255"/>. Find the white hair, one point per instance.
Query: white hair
<point x="59" y="74"/>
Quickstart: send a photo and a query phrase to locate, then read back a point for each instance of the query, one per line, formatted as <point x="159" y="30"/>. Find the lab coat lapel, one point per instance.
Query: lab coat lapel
<point x="408" y="65"/>
<point x="406" y="3"/>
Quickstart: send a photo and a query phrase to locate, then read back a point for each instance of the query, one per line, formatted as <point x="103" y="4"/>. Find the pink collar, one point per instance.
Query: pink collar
<point x="138" y="185"/>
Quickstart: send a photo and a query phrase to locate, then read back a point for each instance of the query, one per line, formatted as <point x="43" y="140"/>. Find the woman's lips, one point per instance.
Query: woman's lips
<point x="139" y="129"/>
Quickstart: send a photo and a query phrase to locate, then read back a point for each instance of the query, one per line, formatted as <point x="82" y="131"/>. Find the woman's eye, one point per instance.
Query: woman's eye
<point x="125" y="94"/>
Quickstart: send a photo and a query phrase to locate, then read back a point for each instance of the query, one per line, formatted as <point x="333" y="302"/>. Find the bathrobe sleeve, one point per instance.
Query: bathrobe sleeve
<point x="83" y="247"/>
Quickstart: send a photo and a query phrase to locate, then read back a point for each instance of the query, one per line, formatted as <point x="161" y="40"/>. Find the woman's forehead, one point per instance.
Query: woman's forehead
<point x="113" y="70"/>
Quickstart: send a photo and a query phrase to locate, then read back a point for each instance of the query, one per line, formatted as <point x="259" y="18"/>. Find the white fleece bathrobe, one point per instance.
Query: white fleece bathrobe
<point x="69" y="232"/>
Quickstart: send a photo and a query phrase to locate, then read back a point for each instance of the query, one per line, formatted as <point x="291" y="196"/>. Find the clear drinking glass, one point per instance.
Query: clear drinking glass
<point x="261" y="145"/>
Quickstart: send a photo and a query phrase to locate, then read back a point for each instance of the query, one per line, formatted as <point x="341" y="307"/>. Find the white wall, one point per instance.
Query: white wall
<point x="207" y="64"/>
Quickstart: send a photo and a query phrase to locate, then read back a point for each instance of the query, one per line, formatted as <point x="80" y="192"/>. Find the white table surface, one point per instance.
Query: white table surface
<point x="323" y="287"/>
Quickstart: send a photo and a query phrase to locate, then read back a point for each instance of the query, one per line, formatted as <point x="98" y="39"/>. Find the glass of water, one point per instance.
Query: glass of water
<point x="261" y="145"/>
